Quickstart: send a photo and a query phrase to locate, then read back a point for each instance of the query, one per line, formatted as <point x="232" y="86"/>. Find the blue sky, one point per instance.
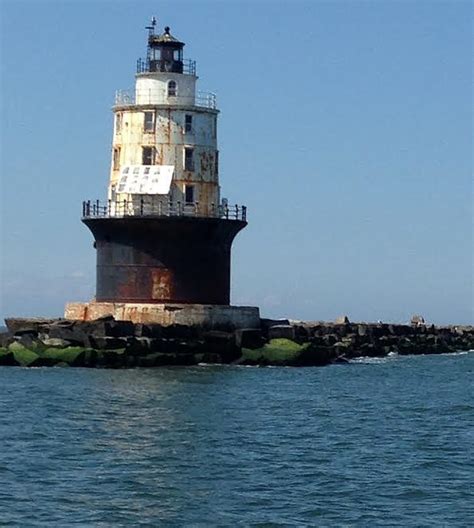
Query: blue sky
<point x="345" y="127"/>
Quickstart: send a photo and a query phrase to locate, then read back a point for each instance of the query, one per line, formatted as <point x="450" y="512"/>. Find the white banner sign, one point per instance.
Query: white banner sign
<point x="145" y="179"/>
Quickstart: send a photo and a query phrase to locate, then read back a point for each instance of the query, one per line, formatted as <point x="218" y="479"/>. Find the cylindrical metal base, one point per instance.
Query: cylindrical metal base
<point x="163" y="259"/>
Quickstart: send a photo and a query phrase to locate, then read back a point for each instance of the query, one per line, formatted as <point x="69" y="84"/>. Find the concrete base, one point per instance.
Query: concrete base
<point x="209" y="315"/>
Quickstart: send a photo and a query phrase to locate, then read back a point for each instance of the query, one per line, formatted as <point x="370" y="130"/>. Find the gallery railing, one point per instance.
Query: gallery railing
<point x="142" y="207"/>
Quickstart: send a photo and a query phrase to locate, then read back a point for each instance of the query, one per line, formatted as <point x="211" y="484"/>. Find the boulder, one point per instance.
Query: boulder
<point x="120" y="328"/>
<point x="112" y="359"/>
<point x="281" y="332"/>
<point x="30" y="341"/>
<point x="148" y="330"/>
<point x="8" y="359"/>
<point x="138" y="346"/>
<point x="23" y="355"/>
<point x="6" y="338"/>
<point x="265" y="324"/>
<point x="44" y="362"/>
<point x="302" y="333"/>
<point x="179" y="331"/>
<point x="221" y="343"/>
<point x="314" y="356"/>
<point x="108" y="343"/>
<point x="87" y="358"/>
<point x="74" y="334"/>
<point x="20" y="325"/>
<point x="249" y="338"/>
<point x="417" y="320"/>
<point x="55" y="342"/>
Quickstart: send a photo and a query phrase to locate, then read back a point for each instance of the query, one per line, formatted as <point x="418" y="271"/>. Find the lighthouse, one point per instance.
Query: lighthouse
<point x="164" y="233"/>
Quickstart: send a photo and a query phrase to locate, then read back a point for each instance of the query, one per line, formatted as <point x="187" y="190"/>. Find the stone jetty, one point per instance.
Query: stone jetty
<point x="109" y="343"/>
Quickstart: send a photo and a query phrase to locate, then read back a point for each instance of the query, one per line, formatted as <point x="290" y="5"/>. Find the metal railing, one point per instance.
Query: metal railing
<point x="186" y="66"/>
<point x="129" y="97"/>
<point x="149" y="207"/>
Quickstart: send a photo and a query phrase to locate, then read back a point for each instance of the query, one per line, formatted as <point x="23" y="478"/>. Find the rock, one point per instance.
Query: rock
<point x="341" y="360"/>
<point x="119" y="328"/>
<point x="148" y="330"/>
<point x="265" y="324"/>
<point x="74" y="334"/>
<point x="55" y="342"/>
<point x="87" y="358"/>
<point x="417" y="320"/>
<point x="108" y="343"/>
<point x="23" y="355"/>
<point x="44" y="362"/>
<point x="281" y="332"/>
<point x="179" y="331"/>
<point x="211" y="358"/>
<point x="112" y="359"/>
<point x="64" y="355"/>
<point x="5" y="339"/>
<point x="30" y="341"/>
<point x="105" y="318"/>
<point x="189" y="347"/>
<point x="314" y="356"/>
<point x="330" y="339"/>
<point x="342" y="319"/>
<point x="138" y="346"/>
<point x="222" y="344"/>
<point x="96" y="328"/>
<point x="303" y="333"/>
<point x="63" y="323"/>
<point x="249" y="338"/>
<point x="20" y="325"/>
<point x="8" y="359"/>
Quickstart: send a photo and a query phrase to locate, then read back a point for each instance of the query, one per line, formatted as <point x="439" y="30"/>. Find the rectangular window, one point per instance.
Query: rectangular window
<point x="189" y="194"/>
<point x="118" y="123"/>
<point x="216" y="166"/>
<point x="149" y="122"/>
<point x="148" y="156"/>
<point x="116" y="158"/>
<point x="188" y="159"/>
<point x="188" y="123"/>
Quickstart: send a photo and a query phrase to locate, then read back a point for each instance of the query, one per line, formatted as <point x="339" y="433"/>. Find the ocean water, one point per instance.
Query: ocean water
<point x="381" y="442"/>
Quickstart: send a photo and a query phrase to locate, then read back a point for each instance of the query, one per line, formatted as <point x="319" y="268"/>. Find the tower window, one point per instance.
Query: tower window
<point x="172" y="88"/>
<point x="116" y="158"/>
<point x="188" y="159"/>
<point x="148" y="156"/>
<point x="118" y="123"/>
<point x="149" y="122"/>
<point x="155" y="54"/>
<point x="188" y="123"/>
<point x="216" y="161"/>
<point x="189" y="194"/>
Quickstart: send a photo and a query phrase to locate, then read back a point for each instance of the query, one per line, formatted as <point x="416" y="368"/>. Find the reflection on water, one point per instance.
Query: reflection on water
<point x="217" y="446"/>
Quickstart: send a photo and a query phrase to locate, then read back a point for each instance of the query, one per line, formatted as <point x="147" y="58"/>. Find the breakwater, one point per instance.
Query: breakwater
<point x="122" y="344"/>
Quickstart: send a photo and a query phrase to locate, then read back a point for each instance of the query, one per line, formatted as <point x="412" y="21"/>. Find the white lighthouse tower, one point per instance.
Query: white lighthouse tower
<point x="163" y="237"/>
<point x="165" y="134"/>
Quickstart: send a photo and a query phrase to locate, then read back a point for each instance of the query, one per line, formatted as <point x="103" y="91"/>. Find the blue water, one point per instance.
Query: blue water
<point x="384" y="442"/>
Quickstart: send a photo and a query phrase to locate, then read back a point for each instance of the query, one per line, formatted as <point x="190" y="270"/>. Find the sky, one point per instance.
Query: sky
<point x="345" y="127"/>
